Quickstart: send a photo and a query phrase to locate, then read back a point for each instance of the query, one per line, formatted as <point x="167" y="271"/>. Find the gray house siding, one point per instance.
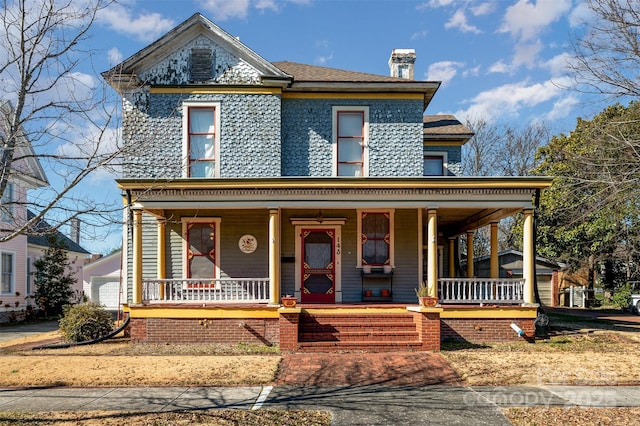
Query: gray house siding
<point x="249" y="135"/>
<point x="395" y="136"/>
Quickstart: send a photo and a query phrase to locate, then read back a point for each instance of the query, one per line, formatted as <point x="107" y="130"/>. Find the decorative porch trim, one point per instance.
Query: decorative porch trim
<point x="190" y="311"/>
<point x="490" y="312"/>
<point x="317" y="221"/>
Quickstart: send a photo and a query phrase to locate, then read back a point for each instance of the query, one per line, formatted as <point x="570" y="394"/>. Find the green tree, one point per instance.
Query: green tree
<point x="589" y="216"/>
<point x="54" y="281"/>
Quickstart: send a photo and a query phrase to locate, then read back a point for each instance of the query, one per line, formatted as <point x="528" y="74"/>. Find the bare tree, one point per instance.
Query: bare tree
<point x="52" y="106"/>
<point x="606" y="56"/>
<point x="517" y="153"/>
<point x="478" y="153"/>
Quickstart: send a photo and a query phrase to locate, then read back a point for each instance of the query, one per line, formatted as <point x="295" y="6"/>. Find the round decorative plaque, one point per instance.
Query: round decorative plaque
<point x="248" y="243"/>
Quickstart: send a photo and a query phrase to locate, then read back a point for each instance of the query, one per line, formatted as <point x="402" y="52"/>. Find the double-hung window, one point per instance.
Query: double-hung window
<point x="435" y="164"/>
<point x="201" y="139"/>
<point x="375" y="228"/>
<point x="350" y="130"/>
<point x="6" y="204"/>
<point x="6" y="272"/>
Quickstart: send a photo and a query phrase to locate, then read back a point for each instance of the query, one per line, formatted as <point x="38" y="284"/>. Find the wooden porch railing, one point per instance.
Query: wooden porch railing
<point x="240" y="290"/>
<point x="481" y="290"/>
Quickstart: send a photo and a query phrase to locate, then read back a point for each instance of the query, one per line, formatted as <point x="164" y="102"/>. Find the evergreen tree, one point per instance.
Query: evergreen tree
<point x="53" y="283"/>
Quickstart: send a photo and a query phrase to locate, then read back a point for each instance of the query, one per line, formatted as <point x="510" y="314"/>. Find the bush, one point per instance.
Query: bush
<point x="621" y="296"/>
<point x="88" y="321"/>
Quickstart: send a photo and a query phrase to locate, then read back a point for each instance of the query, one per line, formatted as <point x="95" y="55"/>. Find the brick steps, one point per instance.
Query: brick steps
<point x="357" y="332"/>
<point x="370" y="346"/>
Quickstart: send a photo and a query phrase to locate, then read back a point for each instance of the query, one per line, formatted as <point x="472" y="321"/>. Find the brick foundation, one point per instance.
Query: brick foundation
<point x="215" y="330"/>
<point x="288" y="323"/>
<point x="481" y="330"/>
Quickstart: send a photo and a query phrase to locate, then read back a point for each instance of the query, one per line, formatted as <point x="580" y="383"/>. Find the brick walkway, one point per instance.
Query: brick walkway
<point x="353" y="369"/>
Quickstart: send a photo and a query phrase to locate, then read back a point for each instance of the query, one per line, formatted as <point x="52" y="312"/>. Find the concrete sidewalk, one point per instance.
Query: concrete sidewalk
<point x="380" y="404"/>
<point x="18" y="331"/>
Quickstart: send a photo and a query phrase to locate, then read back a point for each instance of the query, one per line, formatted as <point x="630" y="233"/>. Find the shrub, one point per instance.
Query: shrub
<point x="88" y="321"/>
<point x="621" y="296"/>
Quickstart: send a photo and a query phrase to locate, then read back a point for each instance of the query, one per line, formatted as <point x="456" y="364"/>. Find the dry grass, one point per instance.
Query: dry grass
<point x="561" y="416"/>
<point x="120" y="363"/>
<point x="595" y="358"/>
<point x="214" y="417"/>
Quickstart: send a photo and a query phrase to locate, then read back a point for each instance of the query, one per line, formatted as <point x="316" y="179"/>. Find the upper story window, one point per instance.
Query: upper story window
<point x="6" y="204"/>
<point x="351" y="134"/>
<point x="201" y="139"/>
<point x="6" y="272"/>
<point x="435" y="164"/>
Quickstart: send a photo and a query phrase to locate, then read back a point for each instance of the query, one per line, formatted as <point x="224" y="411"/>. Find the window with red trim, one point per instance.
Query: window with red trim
<point x="350" y="141"/>
<point x="376" y="238"/>
<point x="201" y="141"/>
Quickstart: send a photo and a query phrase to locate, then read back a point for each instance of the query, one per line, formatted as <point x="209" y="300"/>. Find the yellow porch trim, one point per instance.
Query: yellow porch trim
<point x="443" y="142"/>
<point x="188" y="312"/>
<point x="490" y="313"/>
<point x="359" y="95"/>
<point x="357" y="310"/>
<point x="208" y="90"/>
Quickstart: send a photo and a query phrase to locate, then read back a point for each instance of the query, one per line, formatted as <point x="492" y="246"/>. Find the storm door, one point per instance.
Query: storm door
<point x="318" y="266"/>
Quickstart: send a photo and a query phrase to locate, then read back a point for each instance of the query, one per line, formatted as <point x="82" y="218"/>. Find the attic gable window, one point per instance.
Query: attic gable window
<point x="202" y="64"/>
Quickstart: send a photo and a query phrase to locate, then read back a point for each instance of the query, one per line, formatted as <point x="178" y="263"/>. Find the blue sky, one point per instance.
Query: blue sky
<point x="499" y="60"/>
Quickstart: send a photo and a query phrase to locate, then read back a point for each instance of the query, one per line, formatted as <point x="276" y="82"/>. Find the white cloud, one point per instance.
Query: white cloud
<point x="562" y="108"/>
<point x="509" y="99"/>
<point x="225" y="9"/>
<point x="443" y="71"/>
<point x="475" y="71"/>
<point x="435" y="3"/>
<point x="146" y="27"/>
<point x="322" y="60"/>
<point x="526" y="20"/>
<point x="500" y="68"/>
<point x="115" y="56"/>
<point x="526" y="53"/>
<point x="558" y="65"/>
<point x="419" y="35"/>
<point x="459" y="20"/>
<point x="580" y="14"/>
<point x="483" y="8"/>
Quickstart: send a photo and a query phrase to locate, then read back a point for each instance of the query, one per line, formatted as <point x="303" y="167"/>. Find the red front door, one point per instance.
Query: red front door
<point x="318" y="266"/>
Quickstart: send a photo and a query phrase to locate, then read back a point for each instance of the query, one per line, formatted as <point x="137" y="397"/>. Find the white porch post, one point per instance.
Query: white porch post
<point x="470" y="272"/>
<point x="494" y="264"/>
<point x="528" y="269"/>
<point x="432" y="251"/>
<point x="137" y="256"/>
<point x="274" y="257"/>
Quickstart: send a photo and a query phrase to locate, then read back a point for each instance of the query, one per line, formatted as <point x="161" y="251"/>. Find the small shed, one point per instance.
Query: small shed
<point x="510" y="262"/>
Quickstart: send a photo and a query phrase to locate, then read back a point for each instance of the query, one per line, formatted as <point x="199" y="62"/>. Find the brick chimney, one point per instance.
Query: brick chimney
<point x="401" y="63"/>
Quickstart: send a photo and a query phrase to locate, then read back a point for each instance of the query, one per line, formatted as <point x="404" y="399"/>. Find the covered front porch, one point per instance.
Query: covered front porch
<point x="264" y="239"/>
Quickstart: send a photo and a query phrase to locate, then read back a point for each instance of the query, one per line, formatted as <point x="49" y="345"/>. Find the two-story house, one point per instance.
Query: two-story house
<point x="252" y="180"/>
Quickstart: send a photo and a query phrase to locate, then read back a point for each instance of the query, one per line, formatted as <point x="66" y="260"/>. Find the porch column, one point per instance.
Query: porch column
<point x="432" y="251"/>
<point x="470" y="272"/>
<point x="494" y="265"/>
<point x="161" y="254"/>
<point x="274" y="257"/>
<point x="527" y="257"/>
<point x="452" y="258"/>
<point x="137" y="256"/>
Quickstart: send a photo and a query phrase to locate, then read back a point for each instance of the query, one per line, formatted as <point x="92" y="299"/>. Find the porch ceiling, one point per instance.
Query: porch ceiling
<point x="453" y="222"/>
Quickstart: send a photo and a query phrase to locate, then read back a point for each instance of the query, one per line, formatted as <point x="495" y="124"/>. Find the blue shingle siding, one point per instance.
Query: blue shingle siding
<point x="249" y="135"/>
<point x="174" y="69"/>
<point x="454" y="158"/>
<point x="395" y="136"/>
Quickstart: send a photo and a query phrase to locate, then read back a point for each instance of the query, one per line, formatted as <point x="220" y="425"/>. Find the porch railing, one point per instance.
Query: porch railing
<point x="481" y="290"/>
<point x="241" y="290"/>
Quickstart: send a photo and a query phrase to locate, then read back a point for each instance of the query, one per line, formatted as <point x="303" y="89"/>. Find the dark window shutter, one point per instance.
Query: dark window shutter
<point x="201" y="65"/>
